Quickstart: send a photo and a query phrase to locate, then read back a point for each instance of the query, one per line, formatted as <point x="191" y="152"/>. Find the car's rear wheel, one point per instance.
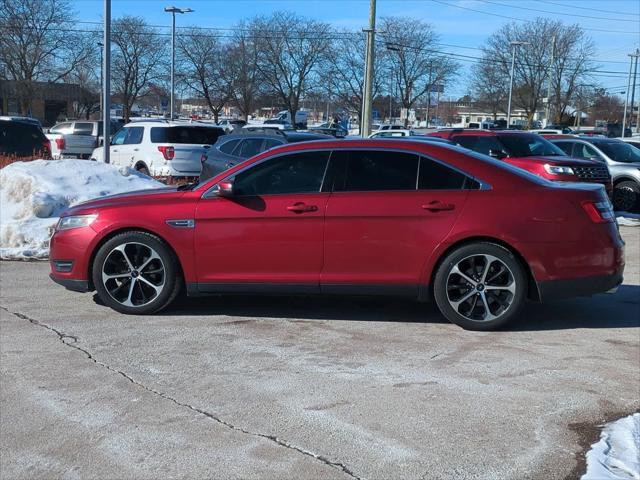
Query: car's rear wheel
<point x="136" y="273"/>
<point x="626" y="196"/>
<point x="480" y="286"/>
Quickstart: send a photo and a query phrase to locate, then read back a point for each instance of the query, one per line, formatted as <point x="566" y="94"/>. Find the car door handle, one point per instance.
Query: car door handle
<point x="136" y="149"/>
<point x="301" y="207"/>
<point x="438" y="206"/>
<point x="114" y="149"/>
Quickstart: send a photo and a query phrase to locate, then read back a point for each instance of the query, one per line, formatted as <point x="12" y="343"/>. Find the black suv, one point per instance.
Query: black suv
<point x="245" y="143"/>
<point x="22" y="139"/>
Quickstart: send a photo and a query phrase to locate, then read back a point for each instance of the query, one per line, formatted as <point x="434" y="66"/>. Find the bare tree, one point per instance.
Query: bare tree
<point x="243" y="67"/>
<point x="291" y="50"/>
<point x="533" y="65"/>
<point x="38" y="44"/>
<point x="138" y="54"/>
<point x="488" y="87"/>
<point x="343" y="74"/>
<point x="414" y="62"/>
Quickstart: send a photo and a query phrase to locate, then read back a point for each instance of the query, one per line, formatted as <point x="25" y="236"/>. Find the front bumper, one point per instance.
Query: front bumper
<point x="81" y="286"/>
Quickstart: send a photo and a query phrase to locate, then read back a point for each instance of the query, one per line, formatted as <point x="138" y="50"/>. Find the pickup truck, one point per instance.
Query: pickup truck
<point x="77" y="139"/>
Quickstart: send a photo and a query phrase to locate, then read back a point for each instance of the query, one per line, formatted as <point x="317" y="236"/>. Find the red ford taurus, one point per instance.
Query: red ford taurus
<point x="363" y="217"/>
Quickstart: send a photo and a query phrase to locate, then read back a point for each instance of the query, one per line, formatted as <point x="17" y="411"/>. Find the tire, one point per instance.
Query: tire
<point x="136" y="290"/>
<point x="459" y="279"/>
<point x="626" y="196"/>
<point x="143" y="170"/>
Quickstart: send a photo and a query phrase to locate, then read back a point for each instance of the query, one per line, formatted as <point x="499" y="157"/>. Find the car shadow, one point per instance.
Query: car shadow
<point x="619" y="310"/>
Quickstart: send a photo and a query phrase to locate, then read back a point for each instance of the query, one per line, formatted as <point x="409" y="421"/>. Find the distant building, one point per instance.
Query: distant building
<point x="48" y="101"/>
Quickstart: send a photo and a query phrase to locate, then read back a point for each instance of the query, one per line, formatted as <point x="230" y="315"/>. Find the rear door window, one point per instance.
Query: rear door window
<point x="249" y="147"/>
<point x="289" y="174"/>
<point x="228" y="147"/>
<point x="83" y="128"/>
<point x="436" y="176"/>
<point x="480" y="144"/>
<point x="585" y="151"/>
<point x="566" y="147"/>
<point x="134" y="135"/>
<point x="186" y="135"/>
<point x="375" y="170"/>
<point x="271" y="143"/>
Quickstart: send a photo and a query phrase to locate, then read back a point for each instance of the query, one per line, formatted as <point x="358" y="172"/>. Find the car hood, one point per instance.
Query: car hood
<point x="137" y="197"/>
<point x="559" y="160"/>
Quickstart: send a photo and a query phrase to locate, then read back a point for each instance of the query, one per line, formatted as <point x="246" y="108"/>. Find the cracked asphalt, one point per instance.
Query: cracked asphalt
<point x="307" y="388"/>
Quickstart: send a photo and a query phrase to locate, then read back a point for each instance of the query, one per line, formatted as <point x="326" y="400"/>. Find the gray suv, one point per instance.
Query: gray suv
<point x="623" y="160"/>
<point x="244" y="143"/>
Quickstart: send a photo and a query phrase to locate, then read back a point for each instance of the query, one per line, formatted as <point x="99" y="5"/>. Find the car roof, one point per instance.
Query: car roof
<point x="302" y="136"/>
<point x="171" y="123"/>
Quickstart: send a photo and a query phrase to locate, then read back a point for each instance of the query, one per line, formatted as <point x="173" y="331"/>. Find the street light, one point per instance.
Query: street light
<point x="101" y="45"/>
<point x="173" y="11"/>
<point x="514" y="46"/>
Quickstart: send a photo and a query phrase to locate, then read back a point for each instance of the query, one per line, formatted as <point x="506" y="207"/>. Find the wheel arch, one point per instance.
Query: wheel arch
<point x="619" y="180"/>
<point x="533" y="292"/>
<point x="119" y="231"/>
<point x="140" y="164"/>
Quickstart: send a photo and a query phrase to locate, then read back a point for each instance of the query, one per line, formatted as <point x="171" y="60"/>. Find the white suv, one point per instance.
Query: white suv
<point x="162" y="148"/>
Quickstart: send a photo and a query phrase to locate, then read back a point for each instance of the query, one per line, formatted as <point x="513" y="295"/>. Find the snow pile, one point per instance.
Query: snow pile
<point x="617" y="455"/>
<point x="33" y="194"/>
<point x="627" y="219"/>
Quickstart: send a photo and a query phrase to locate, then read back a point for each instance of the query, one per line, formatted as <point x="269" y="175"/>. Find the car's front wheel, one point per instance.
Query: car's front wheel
<point x="136" y="273"/>
<point x="480" y="286"/>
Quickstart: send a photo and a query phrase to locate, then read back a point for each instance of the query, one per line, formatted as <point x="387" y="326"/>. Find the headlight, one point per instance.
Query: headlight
<point x="557" y="170"/>
<point x="76" y="221"/>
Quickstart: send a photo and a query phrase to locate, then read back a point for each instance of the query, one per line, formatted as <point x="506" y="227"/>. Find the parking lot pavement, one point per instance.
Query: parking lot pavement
<point x="254" y="387"/>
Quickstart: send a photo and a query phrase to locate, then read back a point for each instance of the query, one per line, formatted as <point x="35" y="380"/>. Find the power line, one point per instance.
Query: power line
<point x="589" y="8"/>
<point x="442" y="2"/>
<point x="556" y="13"/>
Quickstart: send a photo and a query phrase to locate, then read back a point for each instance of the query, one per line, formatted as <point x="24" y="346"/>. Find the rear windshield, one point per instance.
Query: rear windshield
<point x="620" y="151"/>
<point x="191" y="135"/>
<point x="528" y="146"/>
<point x="20" y="137"/>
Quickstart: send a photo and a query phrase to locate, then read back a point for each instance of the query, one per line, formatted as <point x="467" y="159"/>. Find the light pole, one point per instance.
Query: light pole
<point x="173" y="11"/>
<point x="101" y="45"/>
<point x="106" y="84"/>
<point x="514" y="46"/>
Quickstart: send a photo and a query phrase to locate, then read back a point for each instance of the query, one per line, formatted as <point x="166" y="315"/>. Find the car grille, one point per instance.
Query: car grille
<point x="598" y="173"/>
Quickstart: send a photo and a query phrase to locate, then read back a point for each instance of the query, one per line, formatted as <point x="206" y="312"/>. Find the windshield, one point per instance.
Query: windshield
<point x="620" y="151"/>
<point x="528" y="146"/>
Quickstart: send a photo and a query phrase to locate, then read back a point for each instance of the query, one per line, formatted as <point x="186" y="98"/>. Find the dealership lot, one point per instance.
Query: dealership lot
<point x="262" y="387"/>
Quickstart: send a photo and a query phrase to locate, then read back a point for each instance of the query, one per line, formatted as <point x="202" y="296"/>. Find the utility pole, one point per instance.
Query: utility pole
<point x="632" y="56"/>
<point x="173" y="11"/>
<point x="553" y="54"/>
<point x="514" y="46"/>
<point x="106" y="84"/>
<point x="101" y="45"/>
<point x="365" y="127"/>
<point x="429" y="92"/>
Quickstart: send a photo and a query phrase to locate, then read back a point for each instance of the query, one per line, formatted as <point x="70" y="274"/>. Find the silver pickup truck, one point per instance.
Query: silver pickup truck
<point x="77" y="139"/>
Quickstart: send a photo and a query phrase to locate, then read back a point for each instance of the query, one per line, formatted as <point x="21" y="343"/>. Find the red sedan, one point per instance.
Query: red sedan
<point x="365" y="217"/>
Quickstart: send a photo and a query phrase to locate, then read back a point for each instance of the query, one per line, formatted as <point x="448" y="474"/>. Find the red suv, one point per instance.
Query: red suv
<point x="530" y="152"/>
<point x="371" y="217"/>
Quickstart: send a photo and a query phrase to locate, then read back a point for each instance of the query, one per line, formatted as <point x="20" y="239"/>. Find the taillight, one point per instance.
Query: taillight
<point x="60" y="143"/>
<point x="599" y="212"/>
<point x="167" y="152"/>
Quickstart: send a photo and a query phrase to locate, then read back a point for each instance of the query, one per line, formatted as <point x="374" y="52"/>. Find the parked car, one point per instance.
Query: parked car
<point x="384" y="127"/>
<point x="237" y="147"/>
<point x="635" y="141"/>
<point x="78" y="139"/>
<point x="395" y="132"/>
<point x="623" y="160"/>
<point x="285" y="117"/>
<point x="18" y="118"/>
<point x="349" y="217"/>
<point x="20" y="139"/>
<point x="162" y="148"/>
<point x="530" y="152"/>
<point x="230" y="125"/>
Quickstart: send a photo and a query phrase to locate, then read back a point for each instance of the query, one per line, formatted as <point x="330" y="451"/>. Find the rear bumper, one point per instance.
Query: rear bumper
<point x="576" y="287"/>
<point x="81" y="286"/>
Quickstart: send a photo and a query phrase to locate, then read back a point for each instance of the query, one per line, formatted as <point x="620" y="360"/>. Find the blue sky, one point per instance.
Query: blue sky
<point x="463" y="25"/>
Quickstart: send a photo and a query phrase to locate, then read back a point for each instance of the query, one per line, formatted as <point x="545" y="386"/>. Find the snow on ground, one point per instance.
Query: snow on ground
<point x="33" y="194"/>
<point x="617" y="455"/>
<point x="627" y="219"/>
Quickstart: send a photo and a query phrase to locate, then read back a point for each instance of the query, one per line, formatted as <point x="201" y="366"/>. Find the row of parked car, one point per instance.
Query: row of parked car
<point x="163" y="148"/>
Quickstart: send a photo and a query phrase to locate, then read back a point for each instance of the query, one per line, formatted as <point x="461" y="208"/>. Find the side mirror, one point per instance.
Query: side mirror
<point x="499" y="154"/>
<point x="225" y="189"/>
